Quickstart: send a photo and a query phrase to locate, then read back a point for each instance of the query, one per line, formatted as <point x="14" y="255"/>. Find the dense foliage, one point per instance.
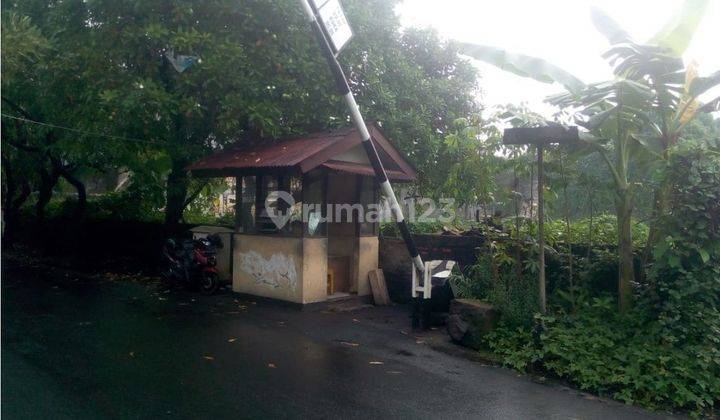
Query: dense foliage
<point x="665" y="352"/>
<point x="252" y="70"/>
<point x="137" y="90"/>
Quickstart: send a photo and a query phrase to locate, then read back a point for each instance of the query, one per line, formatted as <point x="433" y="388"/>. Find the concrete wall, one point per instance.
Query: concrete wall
<point x="356" y="154"/>
<point x="314" y="270"/>
<point x="367" y="260"/>
<point x="268" y="266"/>
<point x="283" y="268"/>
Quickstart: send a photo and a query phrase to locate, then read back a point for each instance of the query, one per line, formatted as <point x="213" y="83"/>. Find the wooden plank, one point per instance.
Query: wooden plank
<point x="379" y="288"/>
<point x="540" y="135"/>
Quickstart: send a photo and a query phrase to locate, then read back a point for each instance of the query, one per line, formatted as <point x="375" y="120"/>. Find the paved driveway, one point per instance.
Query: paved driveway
<point x="79" y="348"/>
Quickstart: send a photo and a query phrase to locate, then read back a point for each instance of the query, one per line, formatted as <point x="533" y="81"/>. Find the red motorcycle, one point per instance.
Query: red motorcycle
<point x="192" y="263"/>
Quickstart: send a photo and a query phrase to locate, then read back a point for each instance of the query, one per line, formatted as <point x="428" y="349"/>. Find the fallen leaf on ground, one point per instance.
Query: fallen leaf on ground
<point x="376" y="363"/>
<point x="356" y="320"/>
<point x="403" y="332"/>
<point x="348" y="343"/>
<point x="208" y="358"/>
<point x="132" y="354"/>
<point x="230" y="340"/>
<point x="419" y="342"/>
<point x="271" y="365"/>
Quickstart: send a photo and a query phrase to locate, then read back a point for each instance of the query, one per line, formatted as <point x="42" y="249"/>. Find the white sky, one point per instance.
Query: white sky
<point x="559" y="31"/>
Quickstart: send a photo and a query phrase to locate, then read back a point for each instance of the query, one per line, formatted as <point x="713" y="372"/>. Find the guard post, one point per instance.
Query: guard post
<point x="332" y="32"/>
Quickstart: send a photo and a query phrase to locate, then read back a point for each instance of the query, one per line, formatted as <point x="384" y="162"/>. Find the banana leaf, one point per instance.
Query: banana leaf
<point x="609" y="27"/>
<point x="700" y="85"/>
<point x="522" y="65"/>
<point x="678" y="32"/>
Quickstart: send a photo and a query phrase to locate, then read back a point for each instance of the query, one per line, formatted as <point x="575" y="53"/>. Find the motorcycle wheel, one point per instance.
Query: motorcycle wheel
<point x="209" y="283"/>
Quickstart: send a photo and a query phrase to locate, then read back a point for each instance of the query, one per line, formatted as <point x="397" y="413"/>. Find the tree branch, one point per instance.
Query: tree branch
<point x="17" y="108"/>
<point x="195" y="193"/>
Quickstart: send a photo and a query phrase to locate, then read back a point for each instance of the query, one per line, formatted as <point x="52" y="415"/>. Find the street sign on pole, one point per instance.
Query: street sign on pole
<point x="540" y="137"/>
<point x="333" y="22"/>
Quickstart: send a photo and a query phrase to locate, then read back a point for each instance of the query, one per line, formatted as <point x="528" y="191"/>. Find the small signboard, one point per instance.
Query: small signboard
<point x="540" y="135"/>
<point x="334" y="23"/>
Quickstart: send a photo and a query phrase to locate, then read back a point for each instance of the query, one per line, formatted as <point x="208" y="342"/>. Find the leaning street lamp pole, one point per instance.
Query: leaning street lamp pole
<point x="540" y="137"/>
<point x="332" y="32"/>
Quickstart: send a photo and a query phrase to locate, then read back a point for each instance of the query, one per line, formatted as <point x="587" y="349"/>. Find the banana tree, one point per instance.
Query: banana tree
<point x="638" y="114"/>
<point x="675" y="88"/>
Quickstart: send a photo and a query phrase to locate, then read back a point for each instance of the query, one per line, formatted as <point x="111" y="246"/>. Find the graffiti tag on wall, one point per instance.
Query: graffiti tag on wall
<point x="276" y="272"/>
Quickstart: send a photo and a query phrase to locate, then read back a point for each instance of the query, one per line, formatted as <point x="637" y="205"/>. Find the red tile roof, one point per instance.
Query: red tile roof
<point x="282" y="153"/>
<point x="301" y="153"/>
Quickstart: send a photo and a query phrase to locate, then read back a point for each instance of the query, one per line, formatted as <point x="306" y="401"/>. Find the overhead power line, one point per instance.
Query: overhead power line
<point x="75" y="130"/>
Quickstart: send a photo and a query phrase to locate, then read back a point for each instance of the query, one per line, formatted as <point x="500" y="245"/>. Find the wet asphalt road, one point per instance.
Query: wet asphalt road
<point x="78" y="348"/>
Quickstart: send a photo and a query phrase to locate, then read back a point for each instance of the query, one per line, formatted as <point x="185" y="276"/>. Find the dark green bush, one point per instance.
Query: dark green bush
<point x="665" y="353"/>
<point x="624" y="357"/>
<point x="495" y="278"/>
<point x="390" y="228"/>
<point x="600" y="231"/>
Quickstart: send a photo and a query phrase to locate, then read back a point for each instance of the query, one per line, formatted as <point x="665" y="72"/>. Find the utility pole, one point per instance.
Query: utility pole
<point x="332" y="32"/>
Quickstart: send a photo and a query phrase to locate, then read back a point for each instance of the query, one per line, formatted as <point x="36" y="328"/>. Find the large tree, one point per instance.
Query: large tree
<point x="45" y="82"/>
<point x="190" y="76"/>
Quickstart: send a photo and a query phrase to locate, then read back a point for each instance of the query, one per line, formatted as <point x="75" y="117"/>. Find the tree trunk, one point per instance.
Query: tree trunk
<point x="81" y="194"/>
<point x="625" y="251"/>
<point x="48" y="180"/>
<point x="660" y="208"/>
<point x="12" y="200"/>
<point x="590" y="226"/>
<point x="176" y="193"/>
<point x="532" y="190"/>
<point x="568" y="241"/>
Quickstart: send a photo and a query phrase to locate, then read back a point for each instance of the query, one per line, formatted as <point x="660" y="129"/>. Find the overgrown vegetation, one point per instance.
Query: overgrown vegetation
<point x="90" y="90"/>
<point x="661" y="347"/>
<point x="665" y="352"/>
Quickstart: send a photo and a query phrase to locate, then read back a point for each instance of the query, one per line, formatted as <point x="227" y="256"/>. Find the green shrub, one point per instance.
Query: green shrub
<point x="494" y="278"/>
<point x="665" y="353"/>
<point x="624" y="357"/>
<point x="390" y="228"/>
<point x="603" y="232"/>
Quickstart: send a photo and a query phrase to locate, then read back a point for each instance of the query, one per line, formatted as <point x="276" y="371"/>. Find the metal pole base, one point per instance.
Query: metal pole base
<point x="420" y="314"/>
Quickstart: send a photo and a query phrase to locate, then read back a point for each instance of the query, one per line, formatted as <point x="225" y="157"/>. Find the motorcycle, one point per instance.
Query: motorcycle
<point x="192" y="263"/>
